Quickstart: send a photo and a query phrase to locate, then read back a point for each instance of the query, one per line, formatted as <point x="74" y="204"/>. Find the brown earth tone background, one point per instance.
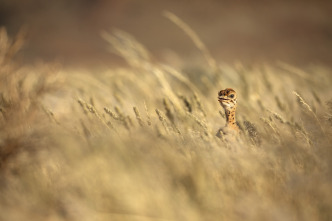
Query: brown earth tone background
<point x="298" y="32"/>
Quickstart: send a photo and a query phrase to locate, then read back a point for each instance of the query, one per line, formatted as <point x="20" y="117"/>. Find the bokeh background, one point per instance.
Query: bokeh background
<point x="298" y="32"/>
<point x="90" y="135"/>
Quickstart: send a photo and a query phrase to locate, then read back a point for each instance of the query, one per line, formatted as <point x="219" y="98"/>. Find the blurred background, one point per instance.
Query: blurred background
<point x="297" y="32"/>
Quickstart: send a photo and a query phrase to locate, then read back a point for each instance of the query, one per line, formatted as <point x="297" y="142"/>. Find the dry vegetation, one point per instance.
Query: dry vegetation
<point x="138" y="143"/>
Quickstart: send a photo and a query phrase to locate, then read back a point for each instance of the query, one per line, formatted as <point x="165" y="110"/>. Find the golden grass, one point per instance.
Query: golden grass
<point x="64" y="158"/>
<point x="194" y="37"/>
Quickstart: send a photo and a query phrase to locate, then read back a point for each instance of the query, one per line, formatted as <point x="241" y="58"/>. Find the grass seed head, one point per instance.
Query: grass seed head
<point x="138" y="117"/>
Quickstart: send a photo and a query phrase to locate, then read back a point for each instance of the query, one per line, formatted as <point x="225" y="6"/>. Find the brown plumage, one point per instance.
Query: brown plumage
<point x="228" y="100"/>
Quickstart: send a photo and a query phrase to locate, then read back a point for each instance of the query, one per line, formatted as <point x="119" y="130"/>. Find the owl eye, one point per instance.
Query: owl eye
<point x="231" y="96"/>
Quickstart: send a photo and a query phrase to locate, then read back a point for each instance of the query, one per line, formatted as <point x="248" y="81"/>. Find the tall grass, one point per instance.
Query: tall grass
<point x="139" y="143"/>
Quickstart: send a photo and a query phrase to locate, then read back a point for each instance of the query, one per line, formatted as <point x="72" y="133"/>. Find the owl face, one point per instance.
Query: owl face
<point x="227" y="98"/>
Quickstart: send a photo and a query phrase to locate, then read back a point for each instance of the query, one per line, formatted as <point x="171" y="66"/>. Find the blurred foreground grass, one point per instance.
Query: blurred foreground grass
<point x="138" y="143"/>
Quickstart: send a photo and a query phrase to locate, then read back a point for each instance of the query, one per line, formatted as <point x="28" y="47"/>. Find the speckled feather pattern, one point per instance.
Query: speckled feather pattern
<point x="228" y="100"/>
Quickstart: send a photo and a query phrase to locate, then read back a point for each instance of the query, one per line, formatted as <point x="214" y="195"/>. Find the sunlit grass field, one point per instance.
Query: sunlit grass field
<point x="139" y="142"/>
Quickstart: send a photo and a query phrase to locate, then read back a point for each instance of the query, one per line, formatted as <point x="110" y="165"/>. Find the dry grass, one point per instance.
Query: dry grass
<point x="76" y="152"/>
